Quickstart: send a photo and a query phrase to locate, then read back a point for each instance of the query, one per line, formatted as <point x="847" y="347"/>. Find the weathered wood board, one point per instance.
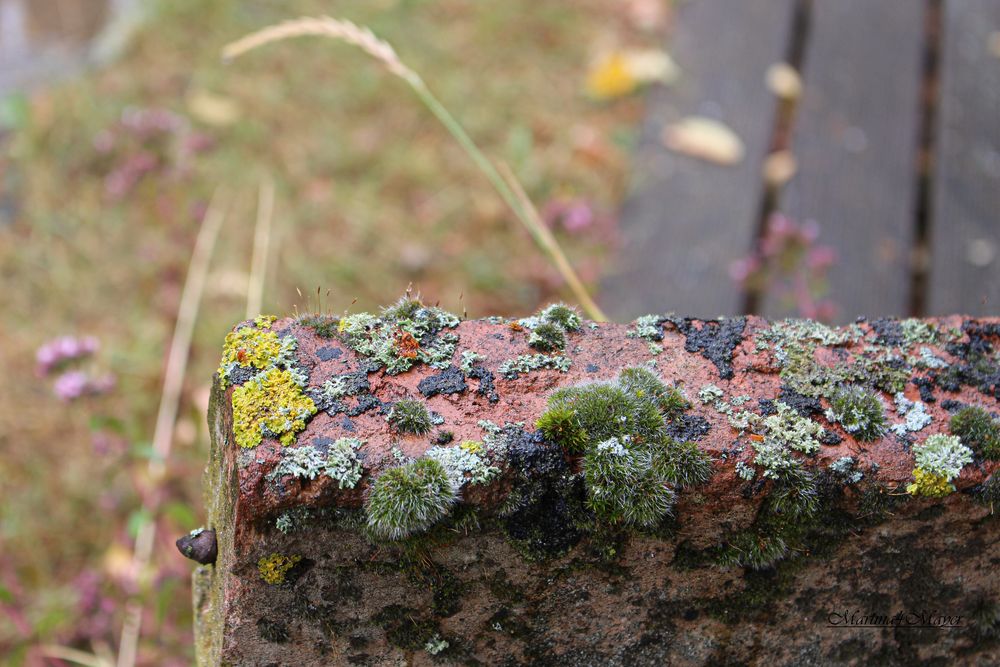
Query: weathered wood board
<point x="687" y="219"/>
<point x="965" y="234"/>
<point x="856" y="140"/>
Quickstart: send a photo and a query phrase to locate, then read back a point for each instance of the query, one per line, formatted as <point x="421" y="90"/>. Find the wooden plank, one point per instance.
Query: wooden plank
<point x="965" y="226"/>
<point x="686" y="219"/>
<point x="856" y="139"/>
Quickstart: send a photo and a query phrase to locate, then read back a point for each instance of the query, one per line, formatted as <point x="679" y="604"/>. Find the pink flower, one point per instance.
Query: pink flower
<point x="71" y="385"/>
<point x="61" y="350"/>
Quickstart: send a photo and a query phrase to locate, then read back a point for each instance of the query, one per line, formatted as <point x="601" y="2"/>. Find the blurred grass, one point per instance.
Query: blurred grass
<point x="371" y="195"/>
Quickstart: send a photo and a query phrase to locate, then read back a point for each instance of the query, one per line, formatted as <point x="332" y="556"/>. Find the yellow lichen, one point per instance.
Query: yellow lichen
<point x="928" y="484"/>
<point x="270" y="404"/>
<point x="257" y="347"/>
<point x="274" y="568"/>
<point x="472" y="446"/>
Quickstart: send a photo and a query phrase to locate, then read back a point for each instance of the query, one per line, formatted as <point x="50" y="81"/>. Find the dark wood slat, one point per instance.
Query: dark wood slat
<point x="687" y="220"/>
<point x="856" y="139"/>
<point x="966" y="193"/>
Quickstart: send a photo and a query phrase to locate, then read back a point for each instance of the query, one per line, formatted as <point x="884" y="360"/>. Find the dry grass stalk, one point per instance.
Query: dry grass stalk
<point x="261" y="248"/>
<point x="166" y="418"/>
<point x="384" y="53"/>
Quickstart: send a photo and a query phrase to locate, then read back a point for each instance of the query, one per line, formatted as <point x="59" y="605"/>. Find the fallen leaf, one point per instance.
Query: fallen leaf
<point x="704" y="138"/>
<point x="784" y="81"/>
<point x="621" y="73"/>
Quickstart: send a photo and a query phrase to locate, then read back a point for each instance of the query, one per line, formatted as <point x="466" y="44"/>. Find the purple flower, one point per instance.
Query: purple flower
<point x="61" y="350"/>
<point x="74" y="384"/>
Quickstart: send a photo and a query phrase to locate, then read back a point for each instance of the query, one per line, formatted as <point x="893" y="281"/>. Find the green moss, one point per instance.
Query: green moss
<point x="410" y="416"/>
<point x="560" y="426"/>
<point x="409" y="499"/>
<point x="624" y="487"/>
<point x="325" y="326"/>
<point x="607" y="411"/>
<point x="547" y="337"/>
<point x="563" y="315"/>
<point x="682" y="463"/>
<point x="270" y="405"/>
<point x="274" y="569"/>
<point x="645" y="385"/>
<point x="978" y="430"/>
<point x="860" y="412"/>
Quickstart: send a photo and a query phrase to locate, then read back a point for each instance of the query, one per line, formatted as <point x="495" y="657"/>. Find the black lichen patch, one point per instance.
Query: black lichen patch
<point x="593" y="368"/>
<point x="978" y="367"/>
<point x="889" y="332"/>
<point x="542" y="510"/>
<point x="449" y="381"/>
<point x="715" y="340"/>
<point x="767" y="407"/>
<point x="926" y="388"/>
<point x="688" y="427"/>
<point x="487" y="387"/>
<point x="830" y="437"/>
<point x="272" y="631"/>
<point x="241" y="374"/>
<point x="806" y="406"/>
<point x="328" y="353"/>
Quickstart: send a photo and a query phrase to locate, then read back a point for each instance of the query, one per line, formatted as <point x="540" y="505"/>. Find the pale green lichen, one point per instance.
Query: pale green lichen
<point x="270" y="405"/>
<point x="647" y="327"/>
<point x="844" y="470"/>
<point x="469" y="359"/>
<point x="710" y="394"/>
<point x="914" y="414"/>
<point x="435" y="645"/>
<point x="512" y="368"/>
<point x="942" y="455"/>
<point x="405" y="334"/>
<point x="464" y="464"/>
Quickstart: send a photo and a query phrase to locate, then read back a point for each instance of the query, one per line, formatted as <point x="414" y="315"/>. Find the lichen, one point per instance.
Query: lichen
<point x="914" y="413"/>
<point x="512" y="368"/>
<point x="977" y="429"/>
<point x="929" y="484"/>
<point x="406" y="333"/>
<point x="250" y="350"/>
<point x="464" y="464"/>
<point x="942" y="455"/>
<point x="845" y="471"/>
<point x="409" y="499"/>
<point x="270" y="405"/>
<point x="274" y="569"/>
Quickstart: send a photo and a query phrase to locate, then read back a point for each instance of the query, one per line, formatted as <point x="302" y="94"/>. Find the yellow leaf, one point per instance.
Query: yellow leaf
<point x="705" y="139"/>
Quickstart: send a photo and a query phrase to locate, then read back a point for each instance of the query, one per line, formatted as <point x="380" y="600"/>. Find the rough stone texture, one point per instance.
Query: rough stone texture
<point x="481" y="581"/>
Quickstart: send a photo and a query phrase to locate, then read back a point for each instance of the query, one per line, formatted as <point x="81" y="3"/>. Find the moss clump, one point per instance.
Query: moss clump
<point x="630" y="464"/>
<point x="562" y="315"/>
<point x="643" y="384"/>
<point x="977" y="429"/>
<point x="547" y="337"/>
<point x="410" y="416"/>
<point x="560" y="426"/>
<point x="274" y="569"/>
<point x="409" y="499"/>
<point x="929" y="484"/>
<point x="859" y="411"/>
<point x="270" y="405"/>
<point x="624" y="486"/>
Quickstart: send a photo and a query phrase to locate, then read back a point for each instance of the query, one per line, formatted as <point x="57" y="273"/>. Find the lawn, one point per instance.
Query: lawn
<point x="108" y="176"/>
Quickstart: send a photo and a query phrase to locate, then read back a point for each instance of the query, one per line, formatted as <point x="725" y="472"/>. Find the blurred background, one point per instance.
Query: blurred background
<point x="783" y="157"/>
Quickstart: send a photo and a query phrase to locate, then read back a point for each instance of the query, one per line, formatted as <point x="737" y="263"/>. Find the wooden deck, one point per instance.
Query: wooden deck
<point x="897" y="140"/>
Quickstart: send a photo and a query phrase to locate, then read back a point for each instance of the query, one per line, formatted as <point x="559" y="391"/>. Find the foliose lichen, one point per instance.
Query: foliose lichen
<point x="512" y="368"/>
<point x="274" y="569"/>
<point x="942" y="455"/>
<point x="271" y="405"/>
